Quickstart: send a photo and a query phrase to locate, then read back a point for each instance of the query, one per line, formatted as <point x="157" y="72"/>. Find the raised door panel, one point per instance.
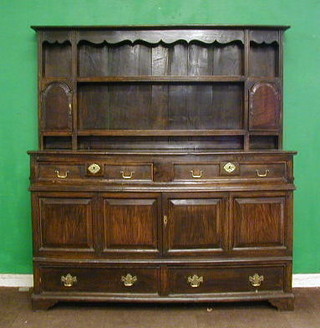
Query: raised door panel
<point x="259" y="223"/>
<point x="264" y="102"/>
<point x="56" y="100"/>
<point x="66" y="224"/>
<point x="194" y="224"/>
<point x="130" y="224"/>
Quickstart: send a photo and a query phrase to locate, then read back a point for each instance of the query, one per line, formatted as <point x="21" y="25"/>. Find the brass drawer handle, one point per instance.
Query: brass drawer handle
<point x="196" y="174"/>
<point x="256" y="280"/>
<point x="94" y="168"/>
<point x="262" y="175"/>
<point x="68" y="280"/>
<point x="195" y="281"/>
<point x="61" y="176"/>
<point x="126" y="174"/>
<point x="129" y="280"/>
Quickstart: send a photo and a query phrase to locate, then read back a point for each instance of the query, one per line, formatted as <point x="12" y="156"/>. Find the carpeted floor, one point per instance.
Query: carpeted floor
<point x="15" y="312"/>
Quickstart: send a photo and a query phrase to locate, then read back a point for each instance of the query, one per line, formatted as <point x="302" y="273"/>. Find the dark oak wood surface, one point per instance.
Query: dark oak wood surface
<point x="160" y="175"/>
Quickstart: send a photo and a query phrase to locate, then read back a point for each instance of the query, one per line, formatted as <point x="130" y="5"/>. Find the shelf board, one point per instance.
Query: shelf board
<point x="56" y="133"/>
<point x="163" y="78"/>
<point x="155" y="133"/>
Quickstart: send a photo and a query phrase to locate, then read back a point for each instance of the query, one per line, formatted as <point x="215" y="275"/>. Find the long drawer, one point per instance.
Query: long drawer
<point x="121" y="280"/>
<point x="200" y="280"/>
<point x="221" y="170"/>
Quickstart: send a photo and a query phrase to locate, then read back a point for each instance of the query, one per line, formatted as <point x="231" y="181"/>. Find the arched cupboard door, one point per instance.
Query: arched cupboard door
<point x="264" y="107"/>
<point x="56" y="107"/>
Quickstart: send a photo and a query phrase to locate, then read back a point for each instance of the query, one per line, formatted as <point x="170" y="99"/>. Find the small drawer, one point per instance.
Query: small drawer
<point x="129" y="172"/>
<point x="60" y="172"/>
<point x="109" y="280"/>
<point x="196" y="171"/>
<point x="226" y="280"/>
<point x="263" y="171"/>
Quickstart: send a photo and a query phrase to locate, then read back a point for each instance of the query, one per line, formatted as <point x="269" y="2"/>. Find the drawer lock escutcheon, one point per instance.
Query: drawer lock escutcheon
<point x="256" y="280"/>
<point x="195" y="281"/>
<point x="129" y="280"/>
<point x="262" y="175"/>
<point x="61" y="175"/>
<point x="196" y="174"/>
<point x="229" y="167"/>
<point x="68" y="280"/>
<point x="94" y="168"/>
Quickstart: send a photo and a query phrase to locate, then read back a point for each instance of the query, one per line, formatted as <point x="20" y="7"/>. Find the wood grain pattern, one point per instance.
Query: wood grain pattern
<point x="259" y="222"/>
<point x="66" y="223"/>
<point x="130" y="223"/>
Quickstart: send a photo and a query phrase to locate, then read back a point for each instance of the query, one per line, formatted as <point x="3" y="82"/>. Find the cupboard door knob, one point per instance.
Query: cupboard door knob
<point x="61" y="175"/>
<point x="262" y="175"/>
<point x="68" y="280"/>
<point x="195" y="281"/>
<point x="129" y="280"/>
<point x="127" y="174"/>
<point x="196" y="174"/>
<point x="256" y="280"/>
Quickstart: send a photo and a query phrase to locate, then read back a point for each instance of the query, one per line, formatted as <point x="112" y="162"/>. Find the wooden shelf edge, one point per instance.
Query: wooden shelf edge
<point x="162" y="133"/>
<point x="164" y="78"/>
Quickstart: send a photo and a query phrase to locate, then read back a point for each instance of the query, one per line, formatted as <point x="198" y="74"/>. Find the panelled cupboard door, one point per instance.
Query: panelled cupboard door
<point x="130" y="224"/>
<point x="194" y="223"/>
<point x="260" y="222"/>
<point x="64" y="223"/>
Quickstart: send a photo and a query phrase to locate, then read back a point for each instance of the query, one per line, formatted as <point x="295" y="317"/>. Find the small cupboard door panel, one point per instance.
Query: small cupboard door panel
<point x="259" y="222"/>
<point x="66" y="223"/>
<point x="130" y="223"/>
<point x="56" y="101"/>
<point x="264" y="102"/>
<point x="194" y="224"/>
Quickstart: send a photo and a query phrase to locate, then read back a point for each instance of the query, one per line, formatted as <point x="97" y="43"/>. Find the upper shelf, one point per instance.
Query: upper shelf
<point x="163" y="27"/>
<point x="167" y="78"/>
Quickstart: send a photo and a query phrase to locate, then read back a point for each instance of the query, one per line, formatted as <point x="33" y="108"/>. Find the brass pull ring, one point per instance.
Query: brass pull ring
<point x="68" y="280"/>
<point x="195" y="281"/>
<point x="126" y="174"/>
<point x="61" y="176"/>
<point x="129" y="280"/>
<point x="196" y="174"/>
<point x="262" y="175"/>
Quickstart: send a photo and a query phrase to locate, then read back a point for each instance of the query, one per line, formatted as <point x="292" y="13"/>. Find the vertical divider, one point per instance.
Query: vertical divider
<point x="280" y="73"/>
<point x="245" y="96"/>
<point x="74" y="60"/>
<point x="40" y="75"/>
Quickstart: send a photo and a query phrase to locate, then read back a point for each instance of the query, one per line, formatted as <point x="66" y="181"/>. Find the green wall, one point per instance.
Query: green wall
<point x="18" y="105"/>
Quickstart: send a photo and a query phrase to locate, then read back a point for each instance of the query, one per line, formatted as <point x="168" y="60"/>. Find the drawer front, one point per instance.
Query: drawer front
<point x="59" y="172"/>
<point x="206" y="171"/>
<point x="235" y="279"/>
<point x="129" y="172"/>
<point x="196" y="171"/>
<point x="263" y="171"/>
<point x="109" y="280"/>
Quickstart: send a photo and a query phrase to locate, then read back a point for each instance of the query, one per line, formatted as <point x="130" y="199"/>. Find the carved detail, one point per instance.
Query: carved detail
<point x="162" y="36"/>
<point x="264" y="37"/>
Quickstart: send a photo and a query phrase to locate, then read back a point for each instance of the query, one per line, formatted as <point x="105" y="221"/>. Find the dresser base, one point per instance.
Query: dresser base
<point x="281" y="301"/>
